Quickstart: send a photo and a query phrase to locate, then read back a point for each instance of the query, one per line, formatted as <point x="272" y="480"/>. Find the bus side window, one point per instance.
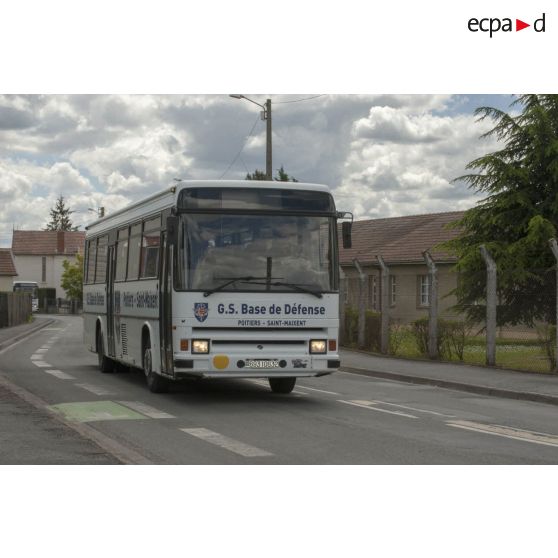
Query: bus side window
<point x="121" y="255"/>
<point x="150" y="248"/>
<point x="91" y="260"/>
<point x="101" y="268"/>
<point x="134" y="252"/>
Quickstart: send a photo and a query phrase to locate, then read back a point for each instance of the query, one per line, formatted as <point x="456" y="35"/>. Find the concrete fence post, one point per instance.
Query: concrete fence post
<point x="361" y="305"/>
<point x="491" y="301"/>
<point x="342" y="295"/>
<point x="384" y="306"/>
<point x="554" y="248"/>
<point x="433" y="308"/>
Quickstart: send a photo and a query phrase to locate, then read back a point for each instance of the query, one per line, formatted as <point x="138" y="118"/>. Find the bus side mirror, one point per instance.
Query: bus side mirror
<point x="346" y="234"/>
<point x="172" y="230"/>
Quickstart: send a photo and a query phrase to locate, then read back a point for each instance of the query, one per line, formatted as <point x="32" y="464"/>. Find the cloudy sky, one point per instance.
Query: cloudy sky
<point x="382" y="155"/>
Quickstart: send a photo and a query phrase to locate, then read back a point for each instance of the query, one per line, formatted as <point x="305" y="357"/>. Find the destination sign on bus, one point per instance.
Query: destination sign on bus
<point x="286" y="309"/>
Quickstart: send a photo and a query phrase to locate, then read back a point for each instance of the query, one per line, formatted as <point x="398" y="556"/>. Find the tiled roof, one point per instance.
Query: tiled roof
<point x="400" y="239"/>
<point x="47" y="243"/>
<point x="7" y="267"/>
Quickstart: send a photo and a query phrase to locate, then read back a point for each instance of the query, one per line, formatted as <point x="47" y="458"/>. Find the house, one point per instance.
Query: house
<point x="8" y="271"/>
<point x="401" y="241"/>
<point x="39" y="255"/>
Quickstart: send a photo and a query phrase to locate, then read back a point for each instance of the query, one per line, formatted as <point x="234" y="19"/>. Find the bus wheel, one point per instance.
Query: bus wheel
<point x="282" y="385"/>
<point x="155" y="383"/>
<point x="105" y="363"/>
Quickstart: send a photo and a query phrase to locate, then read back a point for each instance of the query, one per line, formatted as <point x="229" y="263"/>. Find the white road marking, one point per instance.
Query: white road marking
<point x="60" y="375"/>
<point x="97" y="390"/>
<point x="37" y="357"/>
<point x="320" y="390"/>
<point x="42" y="350"/>
<point x="412" y="408"/>
<point x="370" y="406"/>
<point x="507" y="432"/>
<point x="226" y="443"/>
<point x="52" y="328"/>
<point x="265" y="383"/>
<point x="146" y="410"/>
<point x="41" y="364"/>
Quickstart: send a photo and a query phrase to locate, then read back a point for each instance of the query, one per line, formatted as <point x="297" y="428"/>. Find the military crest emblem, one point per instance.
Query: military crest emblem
<point x="201" y="310"/>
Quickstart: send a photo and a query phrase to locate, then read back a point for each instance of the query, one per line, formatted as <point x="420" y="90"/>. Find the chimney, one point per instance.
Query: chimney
<point x="60" y="242"/>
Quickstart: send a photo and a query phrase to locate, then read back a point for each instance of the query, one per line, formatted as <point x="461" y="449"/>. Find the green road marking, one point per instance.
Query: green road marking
<point x="90" y="411"/>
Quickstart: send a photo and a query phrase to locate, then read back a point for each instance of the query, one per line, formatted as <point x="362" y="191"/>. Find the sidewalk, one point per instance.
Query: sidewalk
<point x="29" y="434"/>
<point x="528" y="386"/>
<point x="10" y="335"/>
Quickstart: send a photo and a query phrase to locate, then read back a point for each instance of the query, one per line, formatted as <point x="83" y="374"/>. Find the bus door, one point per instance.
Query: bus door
<point x="165" y="308"/>
<point x="111" y="265"/>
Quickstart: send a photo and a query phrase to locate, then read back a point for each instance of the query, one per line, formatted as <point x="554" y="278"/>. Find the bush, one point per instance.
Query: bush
<point x="373" y="331"/>
<point x="451" y="337"/>
<point x="396" y="336"/>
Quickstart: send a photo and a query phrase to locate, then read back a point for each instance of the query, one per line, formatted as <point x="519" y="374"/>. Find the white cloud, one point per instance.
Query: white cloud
<point x="382" y="154"/>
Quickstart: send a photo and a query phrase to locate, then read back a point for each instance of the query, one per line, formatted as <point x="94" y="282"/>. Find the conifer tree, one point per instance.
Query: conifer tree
<point x="60" y="217"/>
<point x="516" y="218"/>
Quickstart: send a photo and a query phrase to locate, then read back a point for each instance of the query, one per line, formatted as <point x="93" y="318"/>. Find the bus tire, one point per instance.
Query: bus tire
<point x="282" y="385"/>
<point x="155" y="382"/>
<point x="106" y="365"/>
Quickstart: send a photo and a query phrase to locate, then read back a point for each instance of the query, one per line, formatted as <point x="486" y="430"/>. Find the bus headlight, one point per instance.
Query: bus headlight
<point x="200" y="345"/>
<point x="317" y="346"/>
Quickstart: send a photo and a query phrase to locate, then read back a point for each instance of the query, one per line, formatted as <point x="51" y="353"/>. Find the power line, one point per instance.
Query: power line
<point x="241" y="149"/>
<point x="299" y="100"/>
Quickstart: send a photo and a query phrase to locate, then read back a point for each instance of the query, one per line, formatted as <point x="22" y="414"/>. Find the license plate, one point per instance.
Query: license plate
<point x="252" y="363"/>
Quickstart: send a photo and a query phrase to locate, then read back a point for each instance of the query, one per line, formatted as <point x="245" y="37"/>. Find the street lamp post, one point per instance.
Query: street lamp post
<point x="266" y="115"/>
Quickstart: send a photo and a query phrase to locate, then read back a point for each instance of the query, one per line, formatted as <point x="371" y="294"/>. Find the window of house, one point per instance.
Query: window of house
<point x="121" y="254"/>
<point x="150" y="248"/>
<point x="424" y="290"/>
<point x="92" y="256"/>
<point x="43" y="269"/>
<point x="101" y="267"/>
<point x="373" y="292"/>
<point x="392" y="289"/>
<point x="134" y="250"/>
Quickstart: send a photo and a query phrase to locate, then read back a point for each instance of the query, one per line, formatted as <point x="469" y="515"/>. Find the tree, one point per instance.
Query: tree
<point x="72" y="278"/>
<point x="281" y="176"/>
<point x="516" y="219"/>
<point x="60" y="217"/>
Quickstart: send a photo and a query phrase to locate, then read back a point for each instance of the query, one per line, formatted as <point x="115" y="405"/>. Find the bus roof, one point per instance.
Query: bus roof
<point x="167" y="198"/>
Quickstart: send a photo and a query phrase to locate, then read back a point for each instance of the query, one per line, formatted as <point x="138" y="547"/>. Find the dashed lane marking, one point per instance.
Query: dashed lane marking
<point x="97" y="390"/>
<point x="541" y="438"/>
<point x="41" y="350"/>
<point x="41" y="364"/>
<point x="320" y="390"/>
<point x="436" y="413"/>
<point x="37" y="357"/>
<point x="370" y="405"/>
<point x="226" y="443"/>
<point x="146" y="410"/>
<point x="60" y="375"/>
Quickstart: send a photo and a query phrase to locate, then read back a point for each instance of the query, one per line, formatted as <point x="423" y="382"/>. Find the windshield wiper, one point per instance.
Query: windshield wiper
<point x="297" y="287"/>
<point x="230" y="282"/>
<point x="293" y="286"/>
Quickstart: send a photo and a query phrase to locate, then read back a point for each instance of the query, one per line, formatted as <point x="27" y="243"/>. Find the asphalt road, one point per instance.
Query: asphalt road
<point x="340" y="419"/>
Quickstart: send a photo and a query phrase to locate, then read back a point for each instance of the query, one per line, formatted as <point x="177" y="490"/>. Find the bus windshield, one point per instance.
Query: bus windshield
<point x="264" y="252"/>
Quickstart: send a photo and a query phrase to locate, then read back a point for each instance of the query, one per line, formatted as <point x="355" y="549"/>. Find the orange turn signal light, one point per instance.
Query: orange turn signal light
<point x="184" y="345"/>
<point x="332" y="345"/>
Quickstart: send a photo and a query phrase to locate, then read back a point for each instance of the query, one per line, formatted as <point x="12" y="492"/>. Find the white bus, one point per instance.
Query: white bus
<point x="28" y="287"/>
<point x="207" y="279"/>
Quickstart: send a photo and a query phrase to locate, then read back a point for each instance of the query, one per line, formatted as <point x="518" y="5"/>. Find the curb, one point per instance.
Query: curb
<point x="460" y="386"/>
<point x="5" y="344"/>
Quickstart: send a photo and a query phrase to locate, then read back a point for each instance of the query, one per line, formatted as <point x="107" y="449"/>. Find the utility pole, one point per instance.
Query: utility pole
<point x="265" y="115"/>
<point x="268" y="162"/>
